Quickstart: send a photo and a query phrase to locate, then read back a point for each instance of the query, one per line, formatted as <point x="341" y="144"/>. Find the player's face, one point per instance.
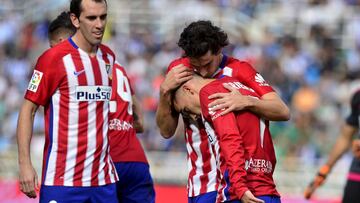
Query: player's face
<point x="187" y="102"/>
<point x="207" y="64"/>
<point x="92" y="21"/>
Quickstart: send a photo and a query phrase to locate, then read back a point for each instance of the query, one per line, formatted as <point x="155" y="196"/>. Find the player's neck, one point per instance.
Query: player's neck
<point x="203" y="82"/>
<point x="83" y="44"/>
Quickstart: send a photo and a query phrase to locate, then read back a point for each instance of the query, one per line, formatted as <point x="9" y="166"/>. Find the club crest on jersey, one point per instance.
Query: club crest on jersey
<point x="93" y="93"/>
<point x="259" y="79"/>
<point x="35" y="81"/>
<point x="108" y="70"/>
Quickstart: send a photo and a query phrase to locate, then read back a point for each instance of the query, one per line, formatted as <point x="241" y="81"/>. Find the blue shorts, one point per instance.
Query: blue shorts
<point x="209" y="197"/>
<point x="270" y="199"/>
<point x="135" y="184"/>
<point x="68" y="194"/>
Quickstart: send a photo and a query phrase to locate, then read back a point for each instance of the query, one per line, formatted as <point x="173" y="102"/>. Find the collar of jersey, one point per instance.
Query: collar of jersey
<point x="73" y="43"/>
<point x="221" y="66"/>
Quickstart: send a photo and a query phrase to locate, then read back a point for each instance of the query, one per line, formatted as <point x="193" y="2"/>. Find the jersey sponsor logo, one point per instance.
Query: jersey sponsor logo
<point x="116" y="124"/>
<point x="93" y="93"/>
<point x="35" y="81"/>
<point x="239" y="85"/>
<point x="259" y="79"/>
<point x="258" y="165"/>
<point x="77" y="73"/>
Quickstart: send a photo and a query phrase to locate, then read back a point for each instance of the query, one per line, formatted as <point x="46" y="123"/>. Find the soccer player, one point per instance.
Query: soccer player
<point x="240" y="140"/>
<point x="71" y="81"/>
<point x="202" y="43"/>
<point x="342" y="144"/>
<point x="60" y="29"/>
<point x="135" y="184"/>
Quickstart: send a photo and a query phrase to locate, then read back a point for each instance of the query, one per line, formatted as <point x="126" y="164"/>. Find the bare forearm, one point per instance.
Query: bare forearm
<point x="270" y="109"/>
<point x="165" y="118"/>
<point x="342" y="144"/>
<point x="24" y="133"/>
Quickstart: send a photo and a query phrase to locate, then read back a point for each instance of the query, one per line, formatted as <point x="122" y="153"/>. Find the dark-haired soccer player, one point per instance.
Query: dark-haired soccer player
<point x="71" y="81"/>
<point x="240" y="140"/>
<point x="202" y="43"/>
<point x="125" y="120"/>
<point x="343" y="143"/>
<point x="60" y="29"/>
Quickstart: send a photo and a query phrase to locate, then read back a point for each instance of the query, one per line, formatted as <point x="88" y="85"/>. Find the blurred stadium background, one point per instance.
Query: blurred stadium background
<point x="309" y="50"/>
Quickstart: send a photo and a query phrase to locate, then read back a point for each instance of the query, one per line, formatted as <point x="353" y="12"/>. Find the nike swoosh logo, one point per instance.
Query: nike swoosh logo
<point x="78" y="72"/>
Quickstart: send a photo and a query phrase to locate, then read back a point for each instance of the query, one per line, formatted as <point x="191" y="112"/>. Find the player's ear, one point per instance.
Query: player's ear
<point x="75" y="20"/>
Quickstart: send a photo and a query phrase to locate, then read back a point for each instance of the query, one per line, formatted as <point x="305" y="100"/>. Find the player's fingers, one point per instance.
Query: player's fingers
<point x="308" y="192"/>
<point x="184" y="74"/>
<point x="36" y="183"/>
<point x="184" y="79"/>
<point x="217" y="95"/>
<point x="229" y="87"/>
<point x="226" y="111"/>
<point x="219" y="104"/>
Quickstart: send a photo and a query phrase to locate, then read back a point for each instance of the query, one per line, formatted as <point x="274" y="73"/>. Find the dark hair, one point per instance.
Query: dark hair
<point x="61" y="23"/>
<point x="201" y="36"/>
<point x="75" y="6"/>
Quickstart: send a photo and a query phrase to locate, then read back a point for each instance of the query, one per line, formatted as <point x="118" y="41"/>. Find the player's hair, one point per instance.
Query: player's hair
<point x="201" y="36"/>
<point x="75" y="6"/>
<point x="62" y="23"/>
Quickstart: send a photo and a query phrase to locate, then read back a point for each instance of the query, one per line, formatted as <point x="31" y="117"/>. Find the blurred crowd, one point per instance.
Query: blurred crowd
<point x="308" y="50"/>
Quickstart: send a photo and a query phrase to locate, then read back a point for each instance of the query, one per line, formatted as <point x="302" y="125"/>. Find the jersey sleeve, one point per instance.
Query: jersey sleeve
<point x="178" y="61"/>
<point x="247" y="75"/>
<point x="353" y="118"/>
<point x="45" y="80"/>
<point x="230" y="141"/>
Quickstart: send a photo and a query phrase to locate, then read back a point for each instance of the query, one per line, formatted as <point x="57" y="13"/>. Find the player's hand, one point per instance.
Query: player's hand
<point x="318" y="181"/>
<point x="28" y="180"/>
<point x="230" y="101"/>
<point x="175" y="77"/>
<point x="356" y="148"/>
<point x="248" y="197"/>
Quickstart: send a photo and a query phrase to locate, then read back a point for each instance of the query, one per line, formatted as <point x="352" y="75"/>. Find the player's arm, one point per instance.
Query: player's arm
<point x="232" y="147"/>
<point x="166" y="117"/>
<point x="138" y="116"/>
<point x="269" y="107"/>
<point x="27" y="175"/>
<point x="231" y="144"/>
<point x="342" y="144"/>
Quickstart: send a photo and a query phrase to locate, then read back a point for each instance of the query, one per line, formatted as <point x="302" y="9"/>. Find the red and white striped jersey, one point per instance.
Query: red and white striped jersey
<point x="242" y="145"/>
<point x="201" y="161"/>
<point x="74" y="89"/>
<point x="124" y="144"/>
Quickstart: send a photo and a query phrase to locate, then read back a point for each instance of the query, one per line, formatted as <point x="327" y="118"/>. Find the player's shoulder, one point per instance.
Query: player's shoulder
<point x="117" y="65"/>
<point x="106" y="49"/>
<point x="236" y="63"/>
<point x="56" y="53"/>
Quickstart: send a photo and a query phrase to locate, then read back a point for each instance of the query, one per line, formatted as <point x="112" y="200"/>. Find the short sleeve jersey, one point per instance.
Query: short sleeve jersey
<point x="242" y="144"/>
<point x="124" y="144"/>
<point x="201" y="160"/>
<point x="74" y="89"/>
